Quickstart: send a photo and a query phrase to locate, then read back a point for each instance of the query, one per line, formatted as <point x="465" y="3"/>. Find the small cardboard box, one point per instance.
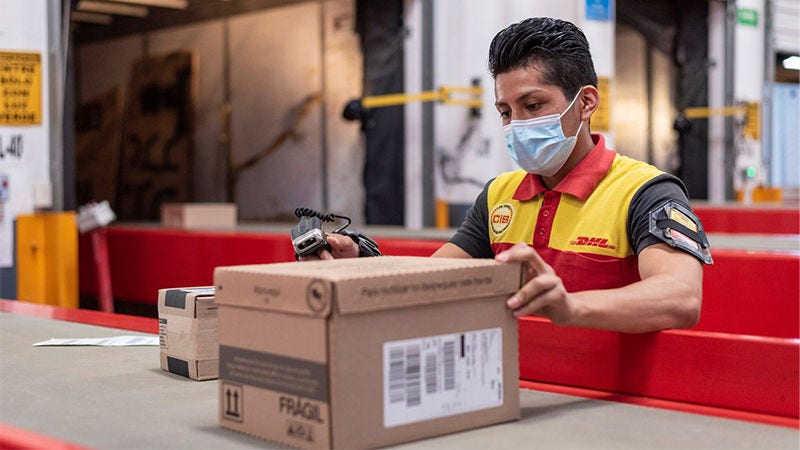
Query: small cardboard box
<point x="366" y="352"/>
<point x="187" y="331"/>
<point x="198" y="215"/>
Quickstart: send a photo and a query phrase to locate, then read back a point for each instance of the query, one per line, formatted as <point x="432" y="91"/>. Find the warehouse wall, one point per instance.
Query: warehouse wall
<point x="27" y="146"/>
<point x="276" y="67"/>
<point x="630" y="112"/>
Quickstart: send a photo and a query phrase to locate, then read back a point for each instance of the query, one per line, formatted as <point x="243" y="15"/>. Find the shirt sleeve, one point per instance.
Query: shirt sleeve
<point x="473" y="235"/>
<point x="647" y="198"/>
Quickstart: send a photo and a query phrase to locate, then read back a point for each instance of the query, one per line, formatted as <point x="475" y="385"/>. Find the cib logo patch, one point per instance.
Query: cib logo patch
<point x="500" y="217"/>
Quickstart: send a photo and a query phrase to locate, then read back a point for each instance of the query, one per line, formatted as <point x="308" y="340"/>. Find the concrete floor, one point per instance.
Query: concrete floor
<point x="119" y="398"/>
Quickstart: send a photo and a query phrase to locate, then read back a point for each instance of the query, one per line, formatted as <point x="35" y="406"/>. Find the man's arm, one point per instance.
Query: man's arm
<point x="344" y="247"/>
<point x="669" y="294"/>
<point x="450" y="250"/>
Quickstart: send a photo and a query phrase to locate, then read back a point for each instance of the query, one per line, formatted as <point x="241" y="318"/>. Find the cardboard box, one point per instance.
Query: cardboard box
<point x="366" y="352"/>
<point x="187" y="331"/>
<point x="198" y="215"/>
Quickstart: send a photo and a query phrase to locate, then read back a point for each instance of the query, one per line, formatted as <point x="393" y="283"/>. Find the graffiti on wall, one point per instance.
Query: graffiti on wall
<point x="157" y="145"/>
<point x="98" y="125"/>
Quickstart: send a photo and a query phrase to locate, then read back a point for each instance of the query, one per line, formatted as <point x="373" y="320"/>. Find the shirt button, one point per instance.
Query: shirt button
<point x="541" y="231"/>
<point x="546" y="213"/>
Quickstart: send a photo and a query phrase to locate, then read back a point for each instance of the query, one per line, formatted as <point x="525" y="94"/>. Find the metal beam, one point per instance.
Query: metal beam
<point x="428" y="122"/>
<point x="172" y="4"/>
<point x="165" y="18"/>
<point x="91" y="17"/>
<point x="730" y="54"/>
<point x="112" y="8"/>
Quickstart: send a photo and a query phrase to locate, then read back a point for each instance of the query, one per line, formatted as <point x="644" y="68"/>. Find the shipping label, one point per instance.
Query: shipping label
<point x="438" y="376"/>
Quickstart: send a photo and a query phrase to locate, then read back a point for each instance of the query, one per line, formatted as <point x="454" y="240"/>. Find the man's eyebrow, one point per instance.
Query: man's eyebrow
<point x="522" y="96"/>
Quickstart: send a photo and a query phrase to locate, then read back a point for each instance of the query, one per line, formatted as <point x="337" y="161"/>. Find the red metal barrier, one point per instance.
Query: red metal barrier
<point x="744" y="292"/>
<point x="747" y="373"/>
<point x="146" y="260"/>
<point x="13" y="438"/>
<point x="754" y="293"/>
<point x="749" y="219"/>
<point x="101" y="319"/>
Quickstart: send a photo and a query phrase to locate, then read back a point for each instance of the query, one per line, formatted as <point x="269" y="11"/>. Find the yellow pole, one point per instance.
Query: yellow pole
<point x="47" y="259"/>
<point x="442" y="95"/>
<point x="703" y="112"/>
<point x="442" y="214"/>
<point x="378" y="101"/>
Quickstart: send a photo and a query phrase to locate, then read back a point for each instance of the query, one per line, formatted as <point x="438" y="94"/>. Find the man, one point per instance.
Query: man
<point x="606" y="242"/>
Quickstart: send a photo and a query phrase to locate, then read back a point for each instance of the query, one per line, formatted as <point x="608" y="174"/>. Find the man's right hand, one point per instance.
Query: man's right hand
<point x="341" y="247"/>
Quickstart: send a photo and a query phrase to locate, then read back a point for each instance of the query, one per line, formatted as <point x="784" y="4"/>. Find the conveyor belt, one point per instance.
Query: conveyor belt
<point x="118" y="397"/>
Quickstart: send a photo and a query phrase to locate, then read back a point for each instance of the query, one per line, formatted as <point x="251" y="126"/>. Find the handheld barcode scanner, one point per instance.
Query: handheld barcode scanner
<point x="308" y="237"/>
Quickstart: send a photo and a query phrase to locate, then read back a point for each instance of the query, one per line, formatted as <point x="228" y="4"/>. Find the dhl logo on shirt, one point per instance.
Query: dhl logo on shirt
<point x="592" y="242"/>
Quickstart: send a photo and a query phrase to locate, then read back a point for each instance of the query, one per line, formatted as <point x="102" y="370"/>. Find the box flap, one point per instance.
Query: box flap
<point x="275" y="287"/>
<point x="393" y="282"/>
<point x="362" y="284"/>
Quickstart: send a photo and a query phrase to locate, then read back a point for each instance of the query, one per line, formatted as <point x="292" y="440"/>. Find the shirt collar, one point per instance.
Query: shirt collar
<point x="580" y="181"/>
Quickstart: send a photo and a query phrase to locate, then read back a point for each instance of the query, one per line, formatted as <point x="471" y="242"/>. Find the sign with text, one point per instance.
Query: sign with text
<point x="747" y="16"/>
<point x="20" y="88"/>
<point x="599" y="10"/>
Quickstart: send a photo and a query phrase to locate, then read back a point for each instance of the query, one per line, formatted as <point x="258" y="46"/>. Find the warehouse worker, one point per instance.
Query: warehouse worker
<point x="606" y="242"/>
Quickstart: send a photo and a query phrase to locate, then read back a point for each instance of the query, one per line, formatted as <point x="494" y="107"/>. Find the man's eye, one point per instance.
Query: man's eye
<point x="504" y="114"/>
<point x="532" y="106"/>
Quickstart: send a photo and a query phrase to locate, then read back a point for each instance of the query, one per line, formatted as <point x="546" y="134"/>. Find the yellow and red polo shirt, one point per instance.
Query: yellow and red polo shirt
<point x="589" y="227"/>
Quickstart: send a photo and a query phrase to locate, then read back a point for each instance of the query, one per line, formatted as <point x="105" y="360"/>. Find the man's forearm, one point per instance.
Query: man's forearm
<point x="656" y="303"/>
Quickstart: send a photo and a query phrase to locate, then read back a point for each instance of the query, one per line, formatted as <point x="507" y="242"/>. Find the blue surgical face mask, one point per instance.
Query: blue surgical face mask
<point x="538" y="145"/>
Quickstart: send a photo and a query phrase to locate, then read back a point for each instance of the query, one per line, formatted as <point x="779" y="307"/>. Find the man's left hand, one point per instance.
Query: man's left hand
<point x="543" y="293"/>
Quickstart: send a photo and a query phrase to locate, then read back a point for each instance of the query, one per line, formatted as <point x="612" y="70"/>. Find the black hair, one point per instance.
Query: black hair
<point x="557" y="47"/>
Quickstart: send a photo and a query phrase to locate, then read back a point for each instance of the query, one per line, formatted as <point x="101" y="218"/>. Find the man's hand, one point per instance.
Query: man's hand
<point x="543" y="293"/>
<point x="341" y="247"/>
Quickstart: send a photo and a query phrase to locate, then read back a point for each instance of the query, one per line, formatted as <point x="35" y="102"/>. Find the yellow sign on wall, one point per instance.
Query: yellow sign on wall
<point x="20" y="88"/>
<point x="752" y="125"/>
<point x="601" y="119"/>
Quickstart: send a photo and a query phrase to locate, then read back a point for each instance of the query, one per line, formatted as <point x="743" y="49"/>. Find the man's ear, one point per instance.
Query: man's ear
<point x="590" y="100"/>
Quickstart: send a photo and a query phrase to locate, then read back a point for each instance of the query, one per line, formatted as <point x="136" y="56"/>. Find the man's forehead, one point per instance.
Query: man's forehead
<point x="520" y="82"/>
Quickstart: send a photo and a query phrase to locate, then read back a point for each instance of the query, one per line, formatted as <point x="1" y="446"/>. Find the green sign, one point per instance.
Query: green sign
<point x="747" y="16"/>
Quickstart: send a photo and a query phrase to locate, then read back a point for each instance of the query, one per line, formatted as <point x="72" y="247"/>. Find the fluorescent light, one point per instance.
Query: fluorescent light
<point x="792" y="62"/>
<point x="103" y="19"/>
<point x="174" y="4"/>
<point x="112" y="8"/>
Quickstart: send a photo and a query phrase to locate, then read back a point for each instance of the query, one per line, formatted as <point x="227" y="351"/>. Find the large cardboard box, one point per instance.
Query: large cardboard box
<point x="366" y="352"/>
<point x="198" y="215"/>
<point x="187" y="331"/>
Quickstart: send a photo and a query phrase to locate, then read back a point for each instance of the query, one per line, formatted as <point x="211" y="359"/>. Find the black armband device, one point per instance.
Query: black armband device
<point x="678" y="227"/>
<point x="366" y="246"/>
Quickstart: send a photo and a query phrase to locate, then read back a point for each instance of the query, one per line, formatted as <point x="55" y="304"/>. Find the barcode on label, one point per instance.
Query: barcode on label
<point x="449" y="361"/>
<point x="443" y="375"/>
<point x="412" y="376"/>
<point x="405" y="374"/>
<point x="431" y="375"/>
<point x="162" y="333"/>
<point x="397" y="370"/>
